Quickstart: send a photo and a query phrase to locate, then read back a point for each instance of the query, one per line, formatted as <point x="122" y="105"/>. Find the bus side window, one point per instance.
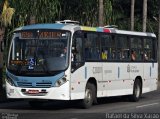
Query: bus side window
<point x="149" y="49"/>
<point x="77" y="52"/>
<point x="87" y="49"/>
<point x="122" y="45"/>
<point x="92" y="46"/>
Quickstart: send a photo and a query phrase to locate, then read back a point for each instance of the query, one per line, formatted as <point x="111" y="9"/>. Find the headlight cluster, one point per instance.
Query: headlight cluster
<point x="60" y="82"/>
<point x="10" y="81"/>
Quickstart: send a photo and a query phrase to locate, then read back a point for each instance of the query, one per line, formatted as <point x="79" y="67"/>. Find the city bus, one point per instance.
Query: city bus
<point x="67" y="61"/>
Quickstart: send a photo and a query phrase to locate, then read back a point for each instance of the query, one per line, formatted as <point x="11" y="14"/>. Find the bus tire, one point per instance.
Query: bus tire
<point x="89" y="96"/>
<point x="137" y="91"/>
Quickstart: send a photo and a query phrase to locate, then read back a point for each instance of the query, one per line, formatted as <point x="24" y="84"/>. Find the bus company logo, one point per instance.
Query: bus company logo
<point x="128" y="68"/>
<point x="132" y="69"/>
<point x="97" y="70"/>
<point x="31" y="63"/>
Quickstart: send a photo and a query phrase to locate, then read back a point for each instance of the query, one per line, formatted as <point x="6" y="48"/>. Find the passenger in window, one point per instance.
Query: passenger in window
<point x="133" y="55"/>
<point x="87" y="53"/>
<point x="104" y="54"/>
<point x="63" y="54"/>
<point x="95" y="53"/>
<point x="145" y="57"/>
<point x="87" y="49"/>
<point x="123" y="55"/>
<point x="113" y="56"/>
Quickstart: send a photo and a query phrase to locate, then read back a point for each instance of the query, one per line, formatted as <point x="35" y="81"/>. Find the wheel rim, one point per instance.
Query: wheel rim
<point x="88" y="96"/>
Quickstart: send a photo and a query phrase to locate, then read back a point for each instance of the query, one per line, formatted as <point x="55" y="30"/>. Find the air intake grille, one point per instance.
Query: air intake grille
<point x="43" y="85"/>
<point x="34" y="85"/>
<point x="24" y="84"/>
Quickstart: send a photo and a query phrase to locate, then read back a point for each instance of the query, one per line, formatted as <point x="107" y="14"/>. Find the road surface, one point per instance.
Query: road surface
<point x="108" y="108"/>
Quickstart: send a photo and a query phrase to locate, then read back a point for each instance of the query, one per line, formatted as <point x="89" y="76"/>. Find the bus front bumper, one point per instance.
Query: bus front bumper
<point x="53" y="93"/>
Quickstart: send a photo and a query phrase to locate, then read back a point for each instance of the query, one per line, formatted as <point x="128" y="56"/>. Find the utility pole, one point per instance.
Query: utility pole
<point x="101" y="13"/>
<point x="144" y="15"/>
<point x="132" y="14"/>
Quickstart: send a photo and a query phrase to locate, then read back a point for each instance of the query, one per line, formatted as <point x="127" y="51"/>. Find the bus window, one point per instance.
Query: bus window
<point x="149" y="49"/>
<point x="122" y="45"/>
<point x="107" y="47"/>
<point x="92" y="47"/>
<point x="136" y="46"/>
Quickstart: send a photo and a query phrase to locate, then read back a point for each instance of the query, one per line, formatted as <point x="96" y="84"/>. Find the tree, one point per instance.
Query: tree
<point x="132" y="14"/>
<point x="5" y="20"/>
<point x="101" y="13"/>
<point x="6" y="14"/>
<point x="144" y="15"/>
<point x="44" y="11"/>
<point x="84" y="11"/>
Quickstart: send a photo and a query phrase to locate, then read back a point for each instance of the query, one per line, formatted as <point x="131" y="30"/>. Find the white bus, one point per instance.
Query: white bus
<point x="66" y="61"/>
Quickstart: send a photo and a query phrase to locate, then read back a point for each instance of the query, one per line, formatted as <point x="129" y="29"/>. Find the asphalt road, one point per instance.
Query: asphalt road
<point x="108" y="108"/>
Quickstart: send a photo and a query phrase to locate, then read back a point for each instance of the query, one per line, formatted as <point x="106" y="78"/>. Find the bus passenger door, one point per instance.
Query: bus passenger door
<point x="77" y="86"/>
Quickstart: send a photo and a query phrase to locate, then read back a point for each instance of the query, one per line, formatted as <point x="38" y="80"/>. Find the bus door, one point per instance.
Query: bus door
<point x="77" y="67"/>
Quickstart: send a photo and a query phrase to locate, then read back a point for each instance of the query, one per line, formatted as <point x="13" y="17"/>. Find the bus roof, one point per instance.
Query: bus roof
<point x="73" y="27"/>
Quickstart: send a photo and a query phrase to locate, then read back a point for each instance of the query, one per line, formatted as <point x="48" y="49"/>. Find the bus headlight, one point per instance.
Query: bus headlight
<point x="10" y="81"/>
<point x="60" y="82"/>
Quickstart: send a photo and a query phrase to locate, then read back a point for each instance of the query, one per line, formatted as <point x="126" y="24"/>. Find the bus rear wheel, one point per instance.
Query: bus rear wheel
<point x="89" y="96"/>
<point x="137" y="91"/>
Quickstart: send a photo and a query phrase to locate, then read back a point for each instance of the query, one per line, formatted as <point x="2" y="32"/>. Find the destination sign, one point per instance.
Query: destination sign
<point x="19" y="62"/>
<point x="27" y="34"/>
<point x="41" y="35"/>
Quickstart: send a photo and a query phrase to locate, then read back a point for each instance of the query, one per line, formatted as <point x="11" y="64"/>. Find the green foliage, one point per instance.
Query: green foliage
<point x="45" y="11"/>
<point x="85" y="11"/>
<point x="116" y="12"/>
<point x="6" y="13"/>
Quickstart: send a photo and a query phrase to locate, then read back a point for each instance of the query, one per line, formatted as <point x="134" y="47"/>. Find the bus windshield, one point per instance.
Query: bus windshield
<point x="39" y="52"/>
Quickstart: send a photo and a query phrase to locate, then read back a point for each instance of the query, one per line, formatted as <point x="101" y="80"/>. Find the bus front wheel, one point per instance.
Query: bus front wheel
<point x="137" y="91"/>
<point x="89" y="96"/>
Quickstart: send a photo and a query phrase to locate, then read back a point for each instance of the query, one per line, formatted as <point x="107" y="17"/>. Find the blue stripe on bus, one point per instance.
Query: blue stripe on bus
<point x="85" y="72"/>
<point x="118" y="72"/>
<point x="150" y="71"/>
<point x="99" y="29"/>
<point x="43" y="26"/>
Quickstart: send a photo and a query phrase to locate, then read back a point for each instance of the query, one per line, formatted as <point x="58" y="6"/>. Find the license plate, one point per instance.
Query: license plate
<point x="33" y="91"/>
